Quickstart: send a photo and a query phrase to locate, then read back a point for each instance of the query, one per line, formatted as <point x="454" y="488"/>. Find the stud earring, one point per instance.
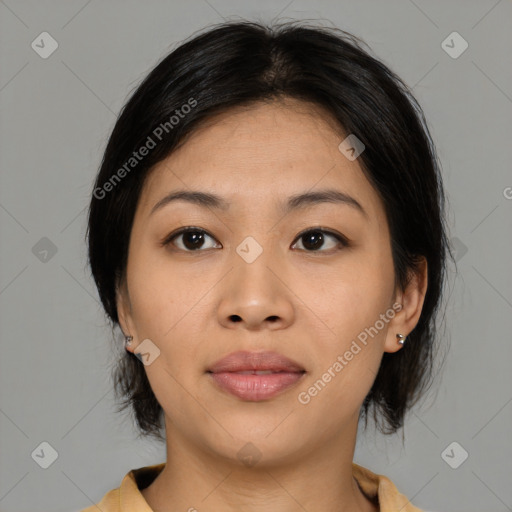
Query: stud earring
<point x="128" y="340"/>
<point x="401" y="338"/>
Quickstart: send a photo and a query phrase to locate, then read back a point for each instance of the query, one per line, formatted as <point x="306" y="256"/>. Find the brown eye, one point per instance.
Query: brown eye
<point x="192" y="239"/>
<point x="314" y="239"/>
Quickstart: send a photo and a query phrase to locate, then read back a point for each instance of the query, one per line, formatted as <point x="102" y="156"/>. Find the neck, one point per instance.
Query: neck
<point x="320" y="479"/>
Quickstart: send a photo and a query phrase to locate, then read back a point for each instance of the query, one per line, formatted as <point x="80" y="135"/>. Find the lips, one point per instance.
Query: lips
<point x="255" y="376"/>
<point x="245" y="361"/>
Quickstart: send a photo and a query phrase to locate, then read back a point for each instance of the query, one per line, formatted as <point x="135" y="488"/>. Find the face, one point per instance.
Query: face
<point x="307" y="282"/>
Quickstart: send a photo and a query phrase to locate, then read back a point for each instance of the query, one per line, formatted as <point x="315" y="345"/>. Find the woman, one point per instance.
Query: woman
<point x="267" y="230"/>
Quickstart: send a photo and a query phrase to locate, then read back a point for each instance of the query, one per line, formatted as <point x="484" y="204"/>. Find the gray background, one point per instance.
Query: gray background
<point x="56" y="114"/>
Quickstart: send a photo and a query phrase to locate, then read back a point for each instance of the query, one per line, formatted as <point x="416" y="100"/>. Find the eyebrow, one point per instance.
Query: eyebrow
<point x="295" y="202"/>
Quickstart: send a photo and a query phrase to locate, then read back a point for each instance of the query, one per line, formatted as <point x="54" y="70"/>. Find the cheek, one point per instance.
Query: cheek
<point x="163" y="311"/>
<point x="346" y="362"/>
<point x="160" y="294"/>
<point x="349" y="343"/>
<point x="167" y="308"/>
<point x="351" y="296"/>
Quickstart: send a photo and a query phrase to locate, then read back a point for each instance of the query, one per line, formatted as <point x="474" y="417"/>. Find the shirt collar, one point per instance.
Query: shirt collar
<point x="371" y="484"/>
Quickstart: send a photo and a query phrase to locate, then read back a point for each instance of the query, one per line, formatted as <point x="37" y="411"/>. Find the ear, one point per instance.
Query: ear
<point x="411" y="299"/>
<point x="124" y="311"/>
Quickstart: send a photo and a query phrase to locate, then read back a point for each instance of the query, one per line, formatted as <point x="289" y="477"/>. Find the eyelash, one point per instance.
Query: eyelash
<point x="191" y="229"/>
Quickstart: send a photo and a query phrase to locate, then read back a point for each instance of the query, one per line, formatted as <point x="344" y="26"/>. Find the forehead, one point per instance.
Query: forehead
<point x="262" y="154"/>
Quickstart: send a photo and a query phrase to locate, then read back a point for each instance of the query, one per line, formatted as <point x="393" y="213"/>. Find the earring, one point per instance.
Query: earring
<point x="128" y="340"/>
<point x="401" y="338"/>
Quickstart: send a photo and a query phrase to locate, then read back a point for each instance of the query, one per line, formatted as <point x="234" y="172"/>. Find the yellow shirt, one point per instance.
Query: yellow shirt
<point x="128" y="498"/>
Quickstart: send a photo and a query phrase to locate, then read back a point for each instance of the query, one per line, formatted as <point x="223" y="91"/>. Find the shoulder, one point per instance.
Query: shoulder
<point x="109" y="503"/>
<point x="374" y="485"/>
<point x="127" y="497"/>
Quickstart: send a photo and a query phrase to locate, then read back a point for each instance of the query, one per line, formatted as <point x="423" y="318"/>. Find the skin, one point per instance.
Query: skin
<point x="307" y="304"/>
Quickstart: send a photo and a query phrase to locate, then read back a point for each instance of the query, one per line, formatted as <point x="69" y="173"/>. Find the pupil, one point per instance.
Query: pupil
<point x="313" y="240"/>
<point x="194" y="236"/>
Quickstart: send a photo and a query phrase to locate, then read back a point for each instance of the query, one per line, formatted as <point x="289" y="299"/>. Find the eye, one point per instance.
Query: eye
<point x="315" y="238"/>
<point x="192" y="239"/>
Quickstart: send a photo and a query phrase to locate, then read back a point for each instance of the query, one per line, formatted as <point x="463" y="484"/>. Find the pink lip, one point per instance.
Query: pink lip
<point x="250" y="386"/>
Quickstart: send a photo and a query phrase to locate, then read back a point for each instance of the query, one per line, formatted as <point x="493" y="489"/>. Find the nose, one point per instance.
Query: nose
<point x="255" y="296"/>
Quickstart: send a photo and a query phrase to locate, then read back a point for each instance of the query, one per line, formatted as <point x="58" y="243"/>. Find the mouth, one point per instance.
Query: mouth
<point x="255" y="376"/>
<point x="256" y="385"/>
<point x="257" y="372"/>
